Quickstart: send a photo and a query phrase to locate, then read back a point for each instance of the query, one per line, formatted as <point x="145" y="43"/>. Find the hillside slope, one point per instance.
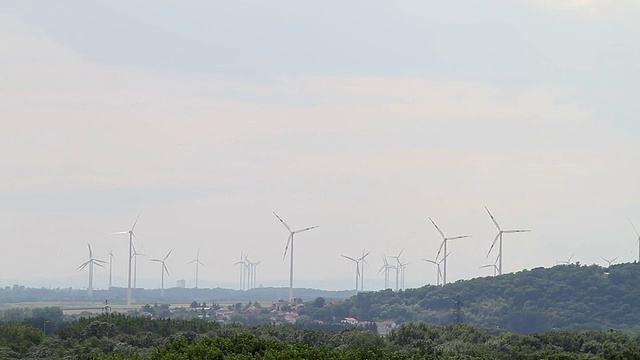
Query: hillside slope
<point x="561" y="297"/>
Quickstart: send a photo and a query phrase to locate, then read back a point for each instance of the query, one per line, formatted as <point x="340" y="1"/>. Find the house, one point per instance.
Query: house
<point x="349" y="320"/>
<point x="384" y="327"/>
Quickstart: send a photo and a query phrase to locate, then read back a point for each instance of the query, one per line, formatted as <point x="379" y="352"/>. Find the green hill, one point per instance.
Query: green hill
<point x="541" y="299"/>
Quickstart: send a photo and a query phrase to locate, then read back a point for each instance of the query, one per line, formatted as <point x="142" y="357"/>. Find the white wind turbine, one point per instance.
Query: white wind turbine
<point x="290" y="241"/>
<point x="363" y="260"/>
<point x="637" y="233"/>
<point x="443" y="246"/>
<point x="131" y="236"/>
<point x="92" y="261"/>
<point x="609" y="262"/>
<point x="110" y="267"/>
<point x="163" y="269"/>
<point x="566" y="262"/>
<point x="135" y="266"/>
<point x="198" y="263"/>
<point x="437" y="263"/>
<point x="243" y="266"/>
<point x="398" y="267"/>
<point x="386" y="267"/>
<point x="402" y="267"/>
<point x="357" y="269"/>
<point x="499" y="236"/>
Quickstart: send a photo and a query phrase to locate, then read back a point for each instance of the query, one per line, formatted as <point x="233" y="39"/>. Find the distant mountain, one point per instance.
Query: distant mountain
<point x="541" y="299"/>
<point x="19" y="293"/>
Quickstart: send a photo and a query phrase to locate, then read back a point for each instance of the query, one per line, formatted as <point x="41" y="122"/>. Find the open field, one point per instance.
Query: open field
<point x="78" y="307"/>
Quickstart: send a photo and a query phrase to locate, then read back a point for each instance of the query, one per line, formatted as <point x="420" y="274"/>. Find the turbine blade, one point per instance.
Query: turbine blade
<point x="156" y="260"/>
<point x="615" y="258"/>
<point x="90" y="252"/>
<point x="437" y="228"/>
<point x="458" y="237"/>
<point x="134" y="224"/>
<point x="282" y="221"/>
<point x="84" y="265"/>
<point x="98" y="264"/>
<point x="604" y="259"/>
<point x="400" y="253"/>
<point x="287" y="247"/>
<point x="350" y="258"/>
<point x="515" y="231"/>
<point x="119" y="232"/>
<point x="430" y="261"/>
<point x="306" y="229"/>
<point x="169" y="253"/>
<point x="493" y="244"/>
<point x="441" y="247"/>
<point x="634" y="227"/>
<point x="493" y="219"/>
<point x="164" y="267"/>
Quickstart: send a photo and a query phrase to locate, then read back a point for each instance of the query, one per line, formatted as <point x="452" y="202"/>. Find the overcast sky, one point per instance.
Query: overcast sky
<point x="362" y="117"/>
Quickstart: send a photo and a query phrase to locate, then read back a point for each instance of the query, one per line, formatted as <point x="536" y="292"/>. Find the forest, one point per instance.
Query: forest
<point x="128" y="337"/>
<point x="571" y="297"/>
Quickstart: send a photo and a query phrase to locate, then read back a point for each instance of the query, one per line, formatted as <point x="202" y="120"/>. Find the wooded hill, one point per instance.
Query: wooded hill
<point x="562" y="297"/>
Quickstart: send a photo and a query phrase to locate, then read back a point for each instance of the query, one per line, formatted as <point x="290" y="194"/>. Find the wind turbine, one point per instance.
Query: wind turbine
<point x="398" y="268"/>
<point x="290" y="241"/>
<point x="637" y="233"/>
<point x="110" y="267"/>
<point x="198" y="263"/>
<point x="364" y="261"/>
<point x="135" y="266"/>
<point x="443" y="245"/>
<point x="566" y="262"/>
<point x="499" y="236"/>
<point x="163" y="269"/>
<point x="357" y="262"/>
<point x="253" y="271"/>
<point x="402" y="267"/>
<point x="437" y="263"/>
<point x="243" y="266"/>
<point x="609" y="262"/>
<point x="386" y="267"/>
<point x="92" y="261"/>
<point x="131" y="236"/>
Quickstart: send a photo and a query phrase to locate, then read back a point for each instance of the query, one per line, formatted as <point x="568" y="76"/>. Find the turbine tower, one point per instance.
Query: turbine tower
<point x="357" y="262"/>
<point x="609" y="262"/>
<point x="637" y="233"/>
<point x="363" y="260"/>
<point x="92" y="261"/>
<point x="110" y="267"/>
<point x="443" y="245"/>
<point x="163" y="269"/>
<point x="198" y="263"/>
<point x="499" y="236"/>
<point x="131" y="236"/>
<point x="290" y="241"/>
<point x="402" y="267"/>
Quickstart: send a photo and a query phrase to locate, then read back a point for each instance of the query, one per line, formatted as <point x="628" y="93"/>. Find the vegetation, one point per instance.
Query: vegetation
<point x="128" y="337"/>
<point x="563" y="297"/>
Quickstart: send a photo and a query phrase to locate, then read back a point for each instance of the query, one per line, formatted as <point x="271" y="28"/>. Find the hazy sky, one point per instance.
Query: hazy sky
<point x="363" y="117"/>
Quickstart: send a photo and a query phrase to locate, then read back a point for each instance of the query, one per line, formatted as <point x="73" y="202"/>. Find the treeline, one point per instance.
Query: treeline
<point x="19" y="293"/>
<point x="562" y="297"/>
<point x="126" y="337"/>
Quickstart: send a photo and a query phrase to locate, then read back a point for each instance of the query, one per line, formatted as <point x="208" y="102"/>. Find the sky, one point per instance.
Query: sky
<point x="364" y="118"/>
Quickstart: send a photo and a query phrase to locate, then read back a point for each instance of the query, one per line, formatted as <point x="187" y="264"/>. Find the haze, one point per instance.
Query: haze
<point x="364" y="118"/>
